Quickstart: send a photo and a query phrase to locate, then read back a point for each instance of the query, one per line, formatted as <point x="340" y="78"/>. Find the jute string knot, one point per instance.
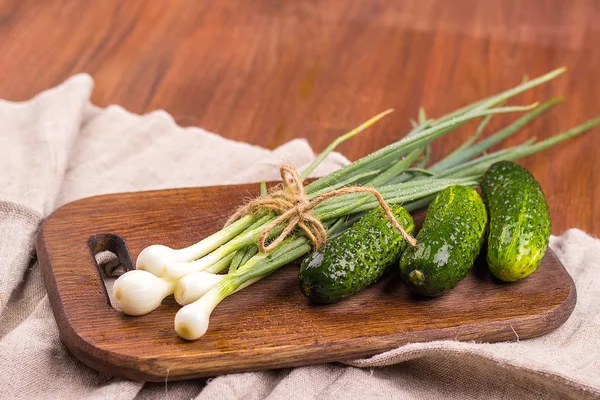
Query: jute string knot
<point x="289" y="200"/>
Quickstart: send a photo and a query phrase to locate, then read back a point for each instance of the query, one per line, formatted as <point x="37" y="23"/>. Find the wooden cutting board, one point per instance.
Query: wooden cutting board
<point x="270" y="324"/>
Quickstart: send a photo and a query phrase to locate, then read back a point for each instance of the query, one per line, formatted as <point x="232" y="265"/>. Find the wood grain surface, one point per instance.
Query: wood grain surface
<point x="271" y="70"/>
<point x="269" y="324"/>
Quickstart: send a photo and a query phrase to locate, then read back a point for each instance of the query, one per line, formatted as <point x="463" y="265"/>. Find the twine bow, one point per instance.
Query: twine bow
<point x="292" y="205"/>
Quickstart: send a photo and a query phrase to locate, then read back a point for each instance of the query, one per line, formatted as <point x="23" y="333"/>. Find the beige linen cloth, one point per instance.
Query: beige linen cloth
<point x="58" y="148"/>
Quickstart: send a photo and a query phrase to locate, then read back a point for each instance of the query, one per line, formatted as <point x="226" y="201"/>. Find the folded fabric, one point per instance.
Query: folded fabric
<point x="58" y="147"/>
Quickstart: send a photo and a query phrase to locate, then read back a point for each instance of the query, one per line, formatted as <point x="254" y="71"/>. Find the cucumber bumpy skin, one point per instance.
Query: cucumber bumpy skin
<point x="447" y="244"/>
<point x="355" y="259"/>
<point x="519" y="221"/>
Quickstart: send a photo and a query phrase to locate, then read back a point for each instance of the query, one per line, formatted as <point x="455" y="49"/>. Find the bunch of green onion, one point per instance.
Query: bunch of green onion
<point x="400" y="172"/>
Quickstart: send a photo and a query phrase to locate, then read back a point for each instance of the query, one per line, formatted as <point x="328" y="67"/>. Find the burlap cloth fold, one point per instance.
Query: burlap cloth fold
<point x="58" y="147"/>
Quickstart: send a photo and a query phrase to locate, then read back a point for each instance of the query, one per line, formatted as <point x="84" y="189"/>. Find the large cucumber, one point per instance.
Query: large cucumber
<point x="355" y="259"/>
<point x="447" y="244"/>
<point x="519" y="221"/>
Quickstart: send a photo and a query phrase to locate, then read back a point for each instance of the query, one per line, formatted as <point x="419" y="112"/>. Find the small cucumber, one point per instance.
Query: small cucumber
<point x="447" y="244"/>
<point x="355" y="259"/>
<point x="519" y="221"/>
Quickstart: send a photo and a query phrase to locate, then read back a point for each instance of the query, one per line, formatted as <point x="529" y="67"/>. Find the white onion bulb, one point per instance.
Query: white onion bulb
<point x="191" y="321"/>
<point x="195" y="285"/>
<point x="139" y="292"/>
<point x="155" y="258"/>
<point x="169" y="263"/>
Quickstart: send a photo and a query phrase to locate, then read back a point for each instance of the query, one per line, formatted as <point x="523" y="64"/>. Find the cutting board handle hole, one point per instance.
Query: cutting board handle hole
<point x="112" y="260"/>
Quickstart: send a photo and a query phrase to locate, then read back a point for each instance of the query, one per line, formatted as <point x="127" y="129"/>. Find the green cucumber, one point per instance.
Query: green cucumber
<point x="447" y="244"/>
<point x="519" y="221"/>
<point x="355" y="259"/>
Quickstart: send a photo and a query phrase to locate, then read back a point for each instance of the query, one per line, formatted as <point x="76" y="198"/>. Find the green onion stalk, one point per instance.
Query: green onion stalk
<point x="399" y="172"/>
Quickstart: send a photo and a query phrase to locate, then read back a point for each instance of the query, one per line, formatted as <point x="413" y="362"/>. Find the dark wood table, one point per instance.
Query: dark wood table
<point x="269" y="71"/>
